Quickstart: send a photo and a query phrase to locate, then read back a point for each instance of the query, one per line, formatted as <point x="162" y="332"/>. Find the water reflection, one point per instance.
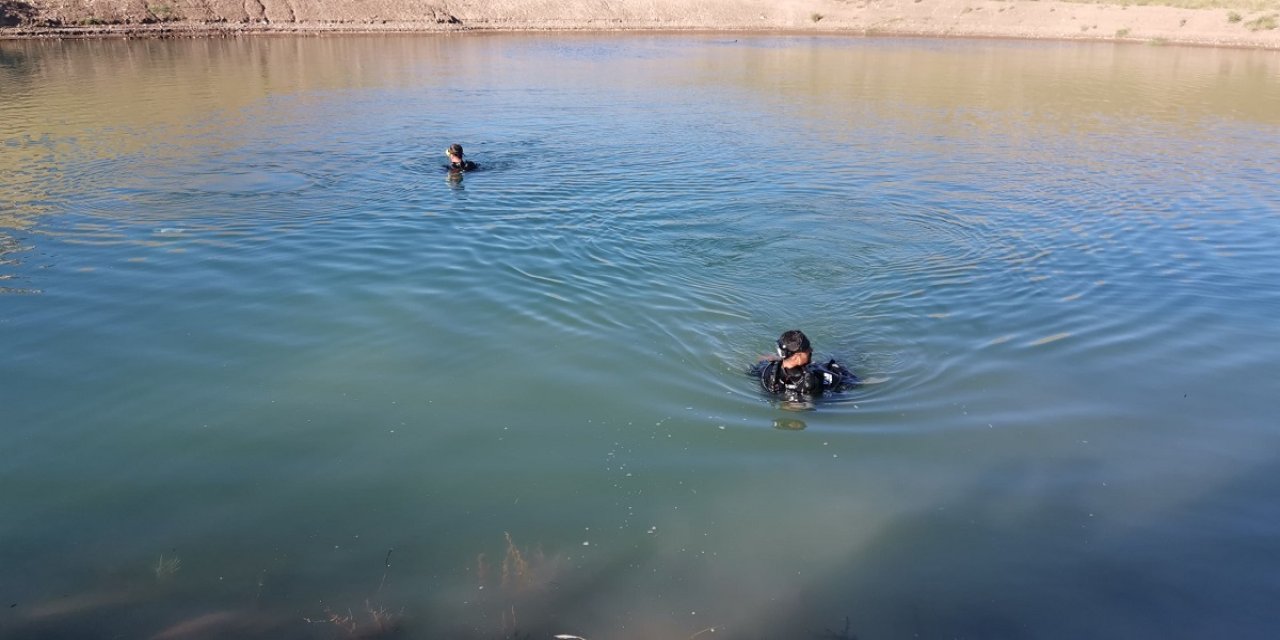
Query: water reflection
<point x="791" y="424"/>
<point x="952" y="87"/>
<point x="122" y="103"/>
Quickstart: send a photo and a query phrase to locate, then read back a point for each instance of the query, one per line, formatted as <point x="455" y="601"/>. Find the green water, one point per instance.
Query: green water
<point x="265" y="367"/>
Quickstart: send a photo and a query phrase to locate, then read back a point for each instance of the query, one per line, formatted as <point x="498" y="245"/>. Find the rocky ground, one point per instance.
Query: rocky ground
<point x="1244" y="27"/>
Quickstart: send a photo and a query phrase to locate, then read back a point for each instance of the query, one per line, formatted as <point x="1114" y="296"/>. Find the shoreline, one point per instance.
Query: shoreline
<point x="197" y="31"/>
<point x="998" y="19"/>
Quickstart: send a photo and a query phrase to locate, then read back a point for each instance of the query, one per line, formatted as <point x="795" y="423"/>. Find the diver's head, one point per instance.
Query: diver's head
<point x="794" y="349"/>
<point x="454" y="152"/>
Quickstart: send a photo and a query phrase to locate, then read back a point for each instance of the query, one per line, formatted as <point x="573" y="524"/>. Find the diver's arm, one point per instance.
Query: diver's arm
<point x="769" y="377"/>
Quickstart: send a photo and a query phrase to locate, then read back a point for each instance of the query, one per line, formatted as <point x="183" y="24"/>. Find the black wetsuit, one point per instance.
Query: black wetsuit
<point x="465" y="165"/>
<point x="809" y="381"/>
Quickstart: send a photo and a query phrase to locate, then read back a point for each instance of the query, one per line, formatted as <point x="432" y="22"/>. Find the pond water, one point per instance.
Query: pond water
<point x="268" y="372"/>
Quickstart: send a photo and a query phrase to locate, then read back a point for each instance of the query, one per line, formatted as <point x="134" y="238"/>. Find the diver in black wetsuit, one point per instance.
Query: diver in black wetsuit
<point x="456" y="161"/>
<point x="793" y="377"/>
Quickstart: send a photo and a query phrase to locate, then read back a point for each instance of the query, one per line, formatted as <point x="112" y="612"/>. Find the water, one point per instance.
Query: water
<point x="267" y="373"/>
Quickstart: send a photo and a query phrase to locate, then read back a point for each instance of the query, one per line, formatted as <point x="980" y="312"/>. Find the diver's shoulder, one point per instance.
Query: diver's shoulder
<point x="465" y="165"/>
<point x="761" y="367"/>
<point x="834" y="374"/>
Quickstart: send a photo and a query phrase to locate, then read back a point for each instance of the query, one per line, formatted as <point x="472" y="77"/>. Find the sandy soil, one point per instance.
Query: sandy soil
<point x="969" y="18"/>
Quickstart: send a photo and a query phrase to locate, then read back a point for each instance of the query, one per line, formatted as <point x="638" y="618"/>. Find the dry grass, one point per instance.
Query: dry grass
<point x="1246" y="5"/>
<point x="167" y="567"/>
<point x="521" y="580"/>
<point x="844" y="634"/>
<point x="515" y="569"/>
<point x="1267" y="22"/>
<point x="373" y="623"/>
<point x="376" y="622"/>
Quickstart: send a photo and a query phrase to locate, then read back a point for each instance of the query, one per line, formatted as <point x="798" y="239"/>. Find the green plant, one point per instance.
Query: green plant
<point x="816" y="17"/>
<point x="1267" y="22"/>
<point x="1120" y="33"/>
<point x="1234" y="17"/>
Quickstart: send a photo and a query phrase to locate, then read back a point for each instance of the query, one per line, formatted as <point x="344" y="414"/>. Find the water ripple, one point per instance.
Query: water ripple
<point x="261" y="303"/>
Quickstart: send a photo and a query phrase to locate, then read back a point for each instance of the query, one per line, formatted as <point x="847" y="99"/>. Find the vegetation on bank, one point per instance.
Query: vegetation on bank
<point x="16" y="12"/>
<point x="1245" y="5"/>
<point x="1267" y="22"/>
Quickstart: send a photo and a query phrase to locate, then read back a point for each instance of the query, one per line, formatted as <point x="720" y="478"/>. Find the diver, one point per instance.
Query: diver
<point x="792" y="374"/>
<point x="456" y="161"/>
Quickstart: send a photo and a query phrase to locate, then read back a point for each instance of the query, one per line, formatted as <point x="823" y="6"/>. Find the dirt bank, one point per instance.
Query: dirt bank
<point x="973" y="18"/>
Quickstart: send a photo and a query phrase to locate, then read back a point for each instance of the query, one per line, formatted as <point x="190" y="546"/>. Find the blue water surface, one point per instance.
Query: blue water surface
<point x="269" y="372"/>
